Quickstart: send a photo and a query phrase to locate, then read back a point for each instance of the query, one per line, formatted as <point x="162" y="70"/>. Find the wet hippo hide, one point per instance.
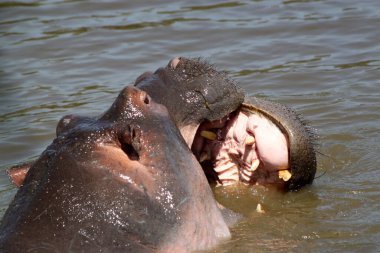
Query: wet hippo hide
<point x="125" y="182"/>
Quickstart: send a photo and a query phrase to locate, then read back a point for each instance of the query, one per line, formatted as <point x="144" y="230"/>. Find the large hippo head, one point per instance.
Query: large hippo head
<point x="124" y="182"/>
<point x="255" y="142"/>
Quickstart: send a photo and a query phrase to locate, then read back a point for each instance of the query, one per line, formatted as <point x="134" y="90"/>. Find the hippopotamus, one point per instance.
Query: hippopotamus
<point x="126" y="181"/>
<point x="132" y="179"/>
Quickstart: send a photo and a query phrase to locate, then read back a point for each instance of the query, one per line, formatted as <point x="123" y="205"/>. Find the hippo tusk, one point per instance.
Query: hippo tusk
<point x="255" y="164"/>
<point x="284" y="175"/>
<point x="208" y="135"/>
<point x="204" y="156"/>
<point x="259" y="209"/>
<point x="250" y="140"/>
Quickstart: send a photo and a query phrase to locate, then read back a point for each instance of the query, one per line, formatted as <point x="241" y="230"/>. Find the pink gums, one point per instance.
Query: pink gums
<point x="236" y="157"/>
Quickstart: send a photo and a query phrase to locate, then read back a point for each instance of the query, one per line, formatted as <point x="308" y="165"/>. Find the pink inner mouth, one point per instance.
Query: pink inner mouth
<point x="242" y="147"/>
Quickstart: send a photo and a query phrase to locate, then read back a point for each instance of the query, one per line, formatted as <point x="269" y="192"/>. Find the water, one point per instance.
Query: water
<point x="322" y="58"/>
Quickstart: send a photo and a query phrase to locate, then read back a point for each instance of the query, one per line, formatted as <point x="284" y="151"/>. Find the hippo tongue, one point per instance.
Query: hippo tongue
<point x="245" y="147"/>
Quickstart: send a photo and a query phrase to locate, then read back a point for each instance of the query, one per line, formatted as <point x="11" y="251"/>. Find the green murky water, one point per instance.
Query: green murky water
<point x="320" y="57"/>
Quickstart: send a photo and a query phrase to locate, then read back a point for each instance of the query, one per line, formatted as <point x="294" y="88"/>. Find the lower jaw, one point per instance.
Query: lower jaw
<point x="237" y="176"/>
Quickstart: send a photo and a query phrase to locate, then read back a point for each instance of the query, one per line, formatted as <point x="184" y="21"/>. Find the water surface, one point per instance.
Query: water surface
<point x="321" y="58"/>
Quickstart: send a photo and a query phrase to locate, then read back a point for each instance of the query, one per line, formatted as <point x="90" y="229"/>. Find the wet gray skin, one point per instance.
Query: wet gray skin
<point x="125" y="182"/>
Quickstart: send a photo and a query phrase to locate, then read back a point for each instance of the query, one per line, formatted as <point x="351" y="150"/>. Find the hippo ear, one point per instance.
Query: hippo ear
<point x="18" y="173"/>
<point x="130" y="141"/>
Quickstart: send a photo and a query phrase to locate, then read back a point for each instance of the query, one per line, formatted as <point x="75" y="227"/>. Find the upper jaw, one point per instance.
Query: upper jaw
<point x="192" y="90"/>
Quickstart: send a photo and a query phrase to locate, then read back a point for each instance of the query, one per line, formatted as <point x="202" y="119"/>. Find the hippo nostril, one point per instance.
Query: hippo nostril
<point x="145" y="97"/>
<point x="147" y="100"/>
<point x="174" y="62"/>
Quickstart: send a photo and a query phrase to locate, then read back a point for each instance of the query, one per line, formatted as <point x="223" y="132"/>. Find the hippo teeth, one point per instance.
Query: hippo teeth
<point x="255" y="164"/>
<point x="259" y="209"/>
<point x="249" y="144"/>
<point x="250" y="140"/>
<point x="208" y="135"/>
<point x="284" y="175"/>
<point x="204" y="156"/>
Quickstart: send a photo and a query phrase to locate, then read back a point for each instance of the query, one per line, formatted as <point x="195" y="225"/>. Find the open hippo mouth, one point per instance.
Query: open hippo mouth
<point x="244" y="146"/>
<point x="262" y="143"/>
<point x="253" y="141"/>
